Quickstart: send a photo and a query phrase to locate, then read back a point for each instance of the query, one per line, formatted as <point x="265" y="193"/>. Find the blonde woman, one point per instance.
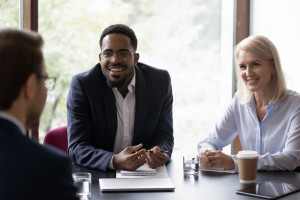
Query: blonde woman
<point x="263" y="112"/>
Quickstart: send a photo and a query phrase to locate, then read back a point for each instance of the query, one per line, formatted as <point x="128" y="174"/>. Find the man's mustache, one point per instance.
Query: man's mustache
<point x="116" y="65"/>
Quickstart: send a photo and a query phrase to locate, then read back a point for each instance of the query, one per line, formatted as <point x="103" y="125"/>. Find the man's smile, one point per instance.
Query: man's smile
<point x="116" y="70"/>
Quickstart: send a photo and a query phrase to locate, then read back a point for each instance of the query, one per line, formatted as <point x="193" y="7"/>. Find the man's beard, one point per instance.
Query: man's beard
<point x="116" y="84"/>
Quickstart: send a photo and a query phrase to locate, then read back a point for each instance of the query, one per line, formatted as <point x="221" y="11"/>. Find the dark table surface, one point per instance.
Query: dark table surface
<point x="208" y="185"/>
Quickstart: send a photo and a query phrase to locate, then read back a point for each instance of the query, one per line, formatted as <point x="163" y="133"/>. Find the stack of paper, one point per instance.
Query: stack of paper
<point x="214" y="169"/>
<point x="143" y="170"/>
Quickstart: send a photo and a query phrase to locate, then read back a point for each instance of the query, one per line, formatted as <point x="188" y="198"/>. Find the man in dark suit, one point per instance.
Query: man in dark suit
<point x="120" y="108"/>
<point x="28" y="169"/>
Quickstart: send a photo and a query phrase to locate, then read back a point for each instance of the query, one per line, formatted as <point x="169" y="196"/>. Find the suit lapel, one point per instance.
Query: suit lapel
<point x="110" y="112"/>
<point x="140" y="106"/>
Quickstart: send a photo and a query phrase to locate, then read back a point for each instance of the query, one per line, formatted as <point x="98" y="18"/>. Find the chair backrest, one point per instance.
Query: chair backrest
<point x="58" y="138"/>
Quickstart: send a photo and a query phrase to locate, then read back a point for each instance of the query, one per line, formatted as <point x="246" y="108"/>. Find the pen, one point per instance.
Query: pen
<point x="150" y="151"/>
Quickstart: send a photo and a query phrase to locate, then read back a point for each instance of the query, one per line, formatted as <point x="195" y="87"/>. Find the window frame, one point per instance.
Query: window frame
<point x="242" y="30"/>
<point x="29" y="20"/>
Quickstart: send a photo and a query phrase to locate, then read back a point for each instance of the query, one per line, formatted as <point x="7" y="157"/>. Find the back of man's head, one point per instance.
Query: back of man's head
<point x="20" y="56"/>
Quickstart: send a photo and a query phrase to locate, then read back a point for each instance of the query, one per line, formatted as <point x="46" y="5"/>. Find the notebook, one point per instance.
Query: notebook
<point x="161" y="172"/>
<point x="215" y="169"/>
<point x="143" y="170"/>
<point x="139" y="184"/>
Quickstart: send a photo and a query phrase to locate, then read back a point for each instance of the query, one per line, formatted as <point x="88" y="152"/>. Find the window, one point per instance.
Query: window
<point x="283" y="30"/>
<point x="183" y="37"/>
<point x="9" y="16"/>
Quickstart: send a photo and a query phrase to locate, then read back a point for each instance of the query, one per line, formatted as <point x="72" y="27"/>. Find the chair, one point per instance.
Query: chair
<point x="58" y="138"/>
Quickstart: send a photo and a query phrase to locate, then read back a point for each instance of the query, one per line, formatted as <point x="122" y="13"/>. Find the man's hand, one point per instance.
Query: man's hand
<point x="155" y="158"/>
<point x="216" y="159"/>
<point x="130" y="158"/>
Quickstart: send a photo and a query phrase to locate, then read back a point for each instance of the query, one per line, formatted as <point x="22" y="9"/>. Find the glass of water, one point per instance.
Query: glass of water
<point x="83" y="181"/>
<point x="191" y="164"/>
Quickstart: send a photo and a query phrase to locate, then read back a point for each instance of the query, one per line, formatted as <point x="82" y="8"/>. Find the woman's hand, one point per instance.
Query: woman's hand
<point x="216" y="159"/>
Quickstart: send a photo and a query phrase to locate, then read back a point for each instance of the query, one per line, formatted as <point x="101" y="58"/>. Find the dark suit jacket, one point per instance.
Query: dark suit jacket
<point x="31" y="171"/>
<point x="92" y="115"/>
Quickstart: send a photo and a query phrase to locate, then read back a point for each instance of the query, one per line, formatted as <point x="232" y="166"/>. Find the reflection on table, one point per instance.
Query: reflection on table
<point x="207" y="185"/>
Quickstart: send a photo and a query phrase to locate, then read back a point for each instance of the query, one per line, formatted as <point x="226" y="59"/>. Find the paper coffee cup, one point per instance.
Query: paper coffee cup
<point x="247" y="162"/>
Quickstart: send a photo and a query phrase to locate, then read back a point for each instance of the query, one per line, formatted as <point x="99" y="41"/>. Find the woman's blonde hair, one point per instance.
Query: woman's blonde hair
<point x="263" y="48"/>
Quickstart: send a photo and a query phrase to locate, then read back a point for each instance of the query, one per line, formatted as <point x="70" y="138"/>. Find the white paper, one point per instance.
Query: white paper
<point x="222" y="170"/>
<point x="143" y="170"/>
<point x="161" y="172"/>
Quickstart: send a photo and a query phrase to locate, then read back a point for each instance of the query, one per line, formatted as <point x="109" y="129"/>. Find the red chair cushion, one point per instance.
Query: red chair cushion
<point x="58" y="138"/>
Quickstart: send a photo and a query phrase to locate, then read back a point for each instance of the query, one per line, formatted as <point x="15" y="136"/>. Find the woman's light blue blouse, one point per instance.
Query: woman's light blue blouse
<point x="276" y="138"/>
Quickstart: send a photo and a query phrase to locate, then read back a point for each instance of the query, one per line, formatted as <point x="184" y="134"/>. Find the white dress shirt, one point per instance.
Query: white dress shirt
<point x="13" y="120"/>
<point x="125" y="116"/>
<point x="276" y="138"/>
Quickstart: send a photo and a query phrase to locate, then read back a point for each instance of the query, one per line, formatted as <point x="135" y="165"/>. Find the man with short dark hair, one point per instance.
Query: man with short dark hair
<point x="120" y="108"/>
<point x="28" y="169"/>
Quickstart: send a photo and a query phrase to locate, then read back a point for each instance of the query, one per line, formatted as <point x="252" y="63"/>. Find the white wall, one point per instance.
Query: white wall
<point x="279" y="20"/>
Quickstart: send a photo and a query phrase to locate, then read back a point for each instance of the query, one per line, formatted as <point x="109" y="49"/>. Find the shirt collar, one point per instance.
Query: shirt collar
<point x="275" y="105"/>
<point x="270" y="106"/>
<point x="131" y="85"/>
<point x="13" y="120"/>
<point x="251" y="102"/>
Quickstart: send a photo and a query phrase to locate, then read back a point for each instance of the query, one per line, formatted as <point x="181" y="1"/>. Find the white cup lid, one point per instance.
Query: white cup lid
<point x="247" y="154"/>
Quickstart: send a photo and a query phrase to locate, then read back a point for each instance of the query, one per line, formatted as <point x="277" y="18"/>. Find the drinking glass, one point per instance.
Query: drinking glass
<point x="191" y="164"/>
<point x="82" y="182"/>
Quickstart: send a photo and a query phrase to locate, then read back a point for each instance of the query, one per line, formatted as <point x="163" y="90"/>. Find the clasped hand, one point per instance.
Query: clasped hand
<point x="133" y="157"/>
<point x="216" y="159"/>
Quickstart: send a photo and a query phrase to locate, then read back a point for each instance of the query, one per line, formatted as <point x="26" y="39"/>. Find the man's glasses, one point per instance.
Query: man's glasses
<point x="123" y="54"/>
<point x="49" y="81"/>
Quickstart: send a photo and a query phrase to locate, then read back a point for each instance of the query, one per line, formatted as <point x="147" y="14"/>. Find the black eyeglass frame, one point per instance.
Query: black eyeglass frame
<point x="50" y="81"/>
<point x="120" y="57"/>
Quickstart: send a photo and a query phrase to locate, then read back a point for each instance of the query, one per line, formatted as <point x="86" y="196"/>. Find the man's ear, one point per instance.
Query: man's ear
<point x="99" y="57"/>
<point x="30" y="87"/>
<point x="136" y="58"/>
